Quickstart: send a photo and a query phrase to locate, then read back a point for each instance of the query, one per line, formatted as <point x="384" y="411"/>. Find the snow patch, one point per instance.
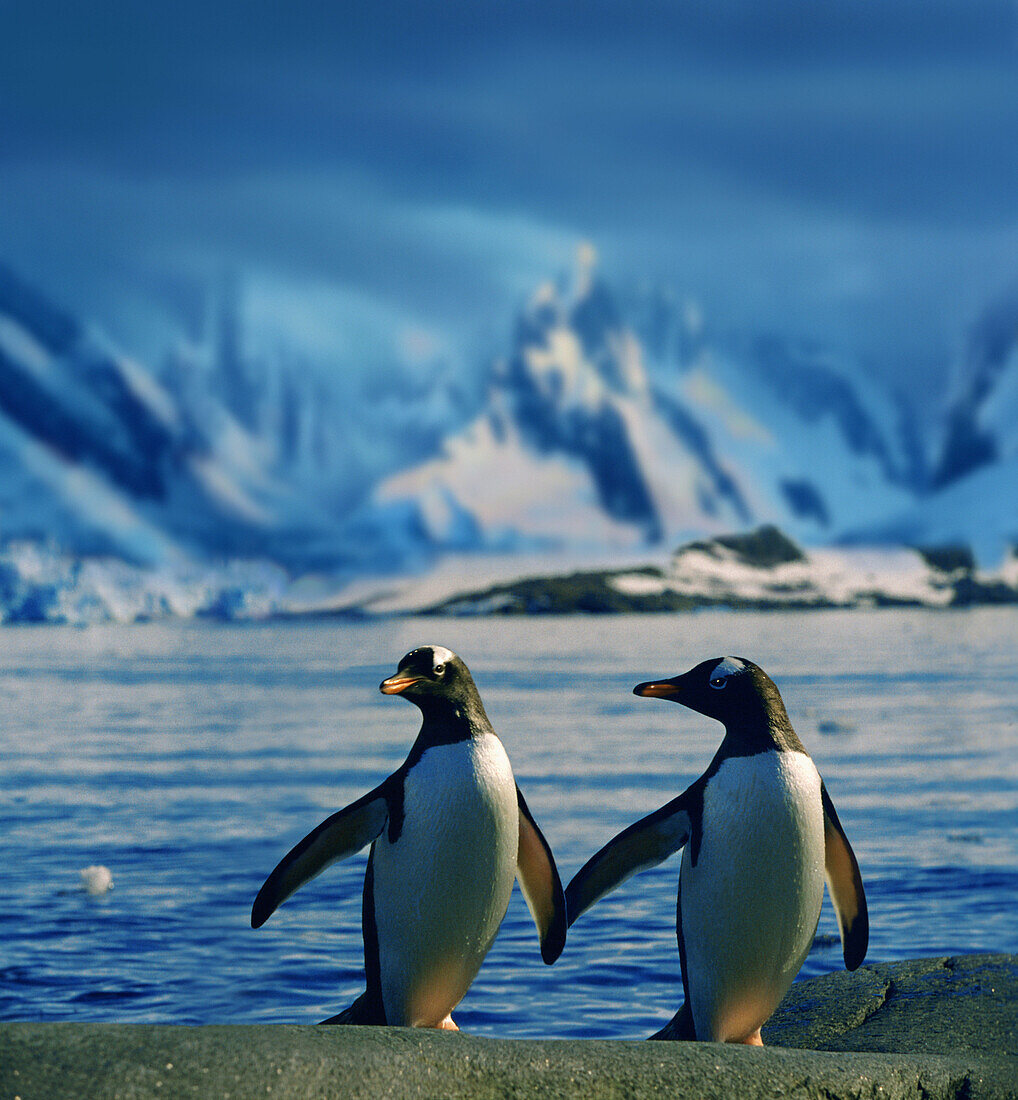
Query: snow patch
<point x="834" y="578"/>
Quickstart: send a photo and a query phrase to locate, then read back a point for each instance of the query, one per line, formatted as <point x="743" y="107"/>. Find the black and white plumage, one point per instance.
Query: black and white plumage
<point x="760" y="835"/>
<point x="449" y="831"/>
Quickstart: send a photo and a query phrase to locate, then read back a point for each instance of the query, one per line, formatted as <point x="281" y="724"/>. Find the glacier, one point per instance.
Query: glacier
<point x="40" y="584"/>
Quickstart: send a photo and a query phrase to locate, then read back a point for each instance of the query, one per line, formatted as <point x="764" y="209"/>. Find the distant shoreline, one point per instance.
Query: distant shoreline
<point x="761" y="570"/>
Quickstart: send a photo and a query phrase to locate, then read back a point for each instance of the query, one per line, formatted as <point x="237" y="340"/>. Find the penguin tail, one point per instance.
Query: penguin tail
<point x="679" y="1027"/>
<point x="362" y="1011"/>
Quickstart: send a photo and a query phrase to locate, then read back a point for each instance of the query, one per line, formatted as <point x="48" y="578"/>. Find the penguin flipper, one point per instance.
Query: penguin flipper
<point x="540" y="883"/>
<point x="337" y="837"/>
<point x="844" y="884"/>
<point x="646" y="843"/>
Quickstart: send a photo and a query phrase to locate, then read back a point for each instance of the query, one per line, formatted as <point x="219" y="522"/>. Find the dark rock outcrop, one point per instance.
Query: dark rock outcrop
<point x="935" y="1028"/>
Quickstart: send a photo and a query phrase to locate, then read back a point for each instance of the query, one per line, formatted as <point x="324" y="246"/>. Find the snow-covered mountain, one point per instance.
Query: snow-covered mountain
<point x="978" y="511"/>
<point x="981" y="421"/>
<point x="98" y="458"/>
<point x="972" y="499"/>
<point x="585" y="440"/>
<point x="595" y="438"/>
<point x="327" y="428"/>
<point x="816" y="447"/>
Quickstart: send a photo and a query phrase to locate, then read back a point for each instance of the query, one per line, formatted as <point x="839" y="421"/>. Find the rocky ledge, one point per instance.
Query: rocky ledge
<point x="931" y="1028"/>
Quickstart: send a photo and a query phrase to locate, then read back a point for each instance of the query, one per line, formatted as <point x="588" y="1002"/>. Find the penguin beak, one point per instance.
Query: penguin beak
<point x="659" y="689"/>
<point x="397" y="684"/>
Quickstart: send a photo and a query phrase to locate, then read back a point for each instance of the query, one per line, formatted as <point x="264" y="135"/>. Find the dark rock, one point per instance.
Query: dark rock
<point x="936" y="1028"/>
<point x="948" y="559"/>
<point x="588" y="593"/>
<point x="950" y="1006"/>
<point x="970" y="592"/>
<point x="287" y="1062"/>
<point x="764" y="547"/>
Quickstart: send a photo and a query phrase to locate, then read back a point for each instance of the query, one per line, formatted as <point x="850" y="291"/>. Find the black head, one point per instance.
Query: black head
<point x="434" y="679"/>
<point x="732" y="690"/>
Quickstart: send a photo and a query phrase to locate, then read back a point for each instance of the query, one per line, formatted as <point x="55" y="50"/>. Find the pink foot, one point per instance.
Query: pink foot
<point x="753" y="1040"/>
<point x="447" y="1024"/>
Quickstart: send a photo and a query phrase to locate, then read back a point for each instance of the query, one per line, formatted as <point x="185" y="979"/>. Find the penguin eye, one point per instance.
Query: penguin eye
<point x="439" y="669"/>
<point x="718" y="682"/>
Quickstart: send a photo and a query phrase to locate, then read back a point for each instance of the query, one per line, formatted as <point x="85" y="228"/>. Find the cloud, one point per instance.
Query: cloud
<point x="333" y="266"/>
<point x="849" y="170"/>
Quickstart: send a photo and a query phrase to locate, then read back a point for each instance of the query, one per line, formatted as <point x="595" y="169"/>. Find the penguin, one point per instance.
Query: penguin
<point x="760" y="835"/>
<point x="449" y="831"/>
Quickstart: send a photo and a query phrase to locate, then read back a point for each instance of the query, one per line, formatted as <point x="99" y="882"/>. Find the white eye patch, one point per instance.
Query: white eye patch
<point x="723" y="669"/>
<point x="441" y="656"/>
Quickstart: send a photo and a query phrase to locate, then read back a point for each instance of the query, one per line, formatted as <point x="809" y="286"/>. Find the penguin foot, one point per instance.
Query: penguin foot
<point x="447" y="1024"/>
<point x="360" y="1012"/>
<point x="753" y="1040"/>
<point x="680" y="1026"/>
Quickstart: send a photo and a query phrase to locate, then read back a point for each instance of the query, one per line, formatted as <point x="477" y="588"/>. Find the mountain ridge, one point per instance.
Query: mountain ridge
<point x="653" y="451"/>
<point x="594" y="436"/>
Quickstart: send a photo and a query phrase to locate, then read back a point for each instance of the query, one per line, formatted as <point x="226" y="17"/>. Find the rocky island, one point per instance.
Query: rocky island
<point x="762" y="570"/>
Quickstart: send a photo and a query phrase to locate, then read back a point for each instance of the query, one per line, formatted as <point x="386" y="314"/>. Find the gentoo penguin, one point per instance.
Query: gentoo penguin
<point x="449" y="831"/>
<point x="760" y="833"/>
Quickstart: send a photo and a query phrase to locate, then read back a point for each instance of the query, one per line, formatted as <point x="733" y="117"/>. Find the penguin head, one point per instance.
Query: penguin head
<point x="427" y="673"/>
<point x="731" y="689"/>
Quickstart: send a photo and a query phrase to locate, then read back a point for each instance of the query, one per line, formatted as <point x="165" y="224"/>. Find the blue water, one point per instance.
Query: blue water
<point x="188" y="757"/>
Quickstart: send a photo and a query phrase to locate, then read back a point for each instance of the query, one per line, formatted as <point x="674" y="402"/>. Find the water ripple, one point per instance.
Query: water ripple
<point x="188" y="758"/>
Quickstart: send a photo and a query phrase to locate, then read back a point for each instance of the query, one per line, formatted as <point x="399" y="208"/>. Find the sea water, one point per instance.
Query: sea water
<point x="187" y="757"/>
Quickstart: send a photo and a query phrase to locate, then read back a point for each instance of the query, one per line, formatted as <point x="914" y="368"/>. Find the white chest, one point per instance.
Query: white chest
<point x="773" y="797"/>
<point x="442" y="888"/>
<point x="750" y="904"/>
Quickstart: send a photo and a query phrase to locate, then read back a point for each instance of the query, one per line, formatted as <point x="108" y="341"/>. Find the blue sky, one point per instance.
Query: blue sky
<point x="397" y="171"/>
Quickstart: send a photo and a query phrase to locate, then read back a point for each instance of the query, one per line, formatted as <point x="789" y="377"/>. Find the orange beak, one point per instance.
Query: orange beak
<point x="395" y="684"/>
<point x="657" y="689"/>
